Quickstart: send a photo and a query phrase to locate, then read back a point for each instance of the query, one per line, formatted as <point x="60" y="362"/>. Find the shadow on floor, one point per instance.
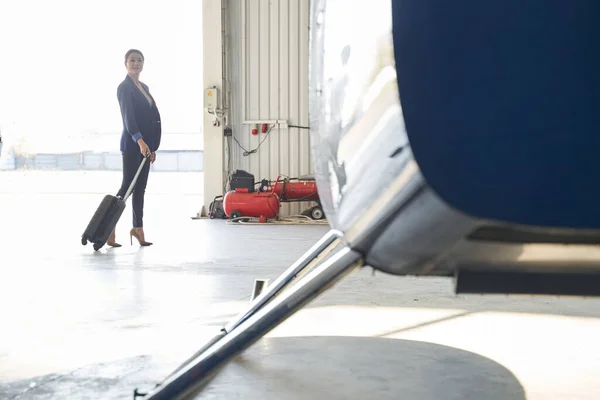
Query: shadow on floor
<point x="361" y="368"/>
<point x="302" y="368"/>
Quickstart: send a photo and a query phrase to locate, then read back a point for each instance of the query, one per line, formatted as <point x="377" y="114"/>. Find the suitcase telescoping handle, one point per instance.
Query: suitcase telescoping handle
<point x="132" y="185"/>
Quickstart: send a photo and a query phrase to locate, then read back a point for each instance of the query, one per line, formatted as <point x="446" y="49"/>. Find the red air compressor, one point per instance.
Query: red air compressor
<point x="243" y="203"/>
<point x="296" y="190"/>
<point x="289" y="191"/>
<point x="243" y="200"/>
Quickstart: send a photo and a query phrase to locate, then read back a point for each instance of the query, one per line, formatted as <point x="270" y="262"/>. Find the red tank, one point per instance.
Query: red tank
<point x="241" y="203"/>
<point x="296" y="191"/>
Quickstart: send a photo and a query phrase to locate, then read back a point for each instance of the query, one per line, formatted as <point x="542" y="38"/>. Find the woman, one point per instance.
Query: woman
<point x="140" y="137"/>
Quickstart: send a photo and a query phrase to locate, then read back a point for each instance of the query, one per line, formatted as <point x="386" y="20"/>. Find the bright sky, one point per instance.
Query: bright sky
<point x="62" y="60"/>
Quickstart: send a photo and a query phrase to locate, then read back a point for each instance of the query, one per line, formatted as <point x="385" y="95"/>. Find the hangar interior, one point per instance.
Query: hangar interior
<point x="113" y="323"/>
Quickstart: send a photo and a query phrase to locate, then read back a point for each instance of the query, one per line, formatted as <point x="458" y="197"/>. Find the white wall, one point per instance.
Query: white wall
<point x="268" y="79"/>
<point x="214" y="176"/>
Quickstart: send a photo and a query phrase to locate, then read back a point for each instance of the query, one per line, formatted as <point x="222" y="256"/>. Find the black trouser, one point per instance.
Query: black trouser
<point x="131" y="163"/>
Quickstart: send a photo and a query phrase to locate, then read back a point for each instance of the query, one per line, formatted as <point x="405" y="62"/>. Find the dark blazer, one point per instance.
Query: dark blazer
<point x="139" y="118"/>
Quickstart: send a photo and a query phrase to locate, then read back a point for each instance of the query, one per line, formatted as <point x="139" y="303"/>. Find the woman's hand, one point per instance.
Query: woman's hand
<point x="144" y="149"/>
<point x="152" y="157"/>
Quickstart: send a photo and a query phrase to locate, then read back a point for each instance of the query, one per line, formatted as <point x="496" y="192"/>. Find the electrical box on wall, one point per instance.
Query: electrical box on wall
<point x="211" y="100"/>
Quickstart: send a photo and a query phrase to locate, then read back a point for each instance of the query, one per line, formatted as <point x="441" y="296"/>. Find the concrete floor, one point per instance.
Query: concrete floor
<point x="79" y="324"/>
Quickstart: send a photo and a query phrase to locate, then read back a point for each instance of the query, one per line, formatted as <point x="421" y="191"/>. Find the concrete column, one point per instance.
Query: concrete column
<point x="214" y="174"/>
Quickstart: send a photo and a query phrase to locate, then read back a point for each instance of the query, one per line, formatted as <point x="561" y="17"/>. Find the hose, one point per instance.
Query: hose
<point x="291" y="220"/>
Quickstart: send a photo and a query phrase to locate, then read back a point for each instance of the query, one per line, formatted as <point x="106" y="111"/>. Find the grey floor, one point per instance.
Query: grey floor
<point x="79" y="324"/>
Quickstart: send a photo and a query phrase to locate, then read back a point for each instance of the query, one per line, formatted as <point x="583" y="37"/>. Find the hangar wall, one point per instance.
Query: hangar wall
<point x="212" y="76"/>
<point x="268" y="46"/>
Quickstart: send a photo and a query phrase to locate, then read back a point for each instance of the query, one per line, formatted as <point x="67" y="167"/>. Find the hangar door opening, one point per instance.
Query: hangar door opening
<point x="60" y="122"/>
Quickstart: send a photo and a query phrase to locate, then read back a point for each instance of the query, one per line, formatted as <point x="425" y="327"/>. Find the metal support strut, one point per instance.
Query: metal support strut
<point x="266" y="312"/>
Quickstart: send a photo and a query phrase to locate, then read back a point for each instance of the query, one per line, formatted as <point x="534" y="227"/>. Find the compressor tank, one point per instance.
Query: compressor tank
<point x="296" y="191"/>
<point x="241" y="203"/>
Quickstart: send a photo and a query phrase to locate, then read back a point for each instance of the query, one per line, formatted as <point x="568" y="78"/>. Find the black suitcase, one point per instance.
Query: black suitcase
<point x="107" y="215"/>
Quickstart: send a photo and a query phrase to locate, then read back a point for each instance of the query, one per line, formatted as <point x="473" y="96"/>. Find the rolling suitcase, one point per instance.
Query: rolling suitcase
<point x="107" y="215"/>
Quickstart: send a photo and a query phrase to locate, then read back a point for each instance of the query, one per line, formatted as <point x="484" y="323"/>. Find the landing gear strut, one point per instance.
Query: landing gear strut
<point x="274" y="305"/>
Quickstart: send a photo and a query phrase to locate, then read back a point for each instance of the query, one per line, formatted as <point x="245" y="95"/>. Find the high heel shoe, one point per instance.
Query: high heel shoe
<point x="135" y="232"/>
<point x="111" y="240"/>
